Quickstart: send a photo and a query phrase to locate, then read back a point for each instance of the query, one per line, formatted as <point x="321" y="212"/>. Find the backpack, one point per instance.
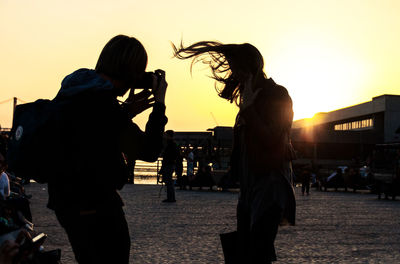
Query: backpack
<point x="30" y="153"/>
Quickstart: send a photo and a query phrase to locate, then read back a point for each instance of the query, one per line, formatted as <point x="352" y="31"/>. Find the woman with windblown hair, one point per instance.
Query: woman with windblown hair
<point x="262" y="152"/>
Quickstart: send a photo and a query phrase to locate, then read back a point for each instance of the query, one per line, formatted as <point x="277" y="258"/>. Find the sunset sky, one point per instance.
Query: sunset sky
<point x="329" y="54"/>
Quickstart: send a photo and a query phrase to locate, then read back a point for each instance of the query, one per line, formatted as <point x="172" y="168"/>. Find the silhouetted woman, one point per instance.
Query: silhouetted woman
<point x="262" y="152"/>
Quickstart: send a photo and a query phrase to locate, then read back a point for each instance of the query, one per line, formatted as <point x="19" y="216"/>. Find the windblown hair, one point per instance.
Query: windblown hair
<point x="230" y="64"/>
<point x="122" y="58"/>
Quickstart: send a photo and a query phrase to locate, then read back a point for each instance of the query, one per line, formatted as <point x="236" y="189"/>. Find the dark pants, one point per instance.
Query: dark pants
<point x="168" y="170"/>
<point x="305" y="187"/>
<point x="256" y="243"/>
<point x="98" y="237"/>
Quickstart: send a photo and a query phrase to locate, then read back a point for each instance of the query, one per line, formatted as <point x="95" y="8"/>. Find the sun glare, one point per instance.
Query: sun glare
<point x="313" y="73"/>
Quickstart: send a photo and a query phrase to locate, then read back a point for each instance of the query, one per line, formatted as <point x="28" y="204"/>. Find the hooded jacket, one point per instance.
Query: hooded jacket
<point x="93" y="133"/>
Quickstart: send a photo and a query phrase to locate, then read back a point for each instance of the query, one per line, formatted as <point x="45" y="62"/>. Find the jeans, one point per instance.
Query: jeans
<point x="100" y="236"/>
<point x="168" y="170"/>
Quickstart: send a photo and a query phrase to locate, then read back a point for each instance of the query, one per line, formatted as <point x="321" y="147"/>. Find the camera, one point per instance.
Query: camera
<point x="146" y="81"/>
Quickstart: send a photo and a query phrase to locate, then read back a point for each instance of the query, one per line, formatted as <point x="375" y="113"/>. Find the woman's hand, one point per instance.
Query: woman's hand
<point x="159" y="86"/>
<point x="248" y="94"/>
<point x="137" y="103"/>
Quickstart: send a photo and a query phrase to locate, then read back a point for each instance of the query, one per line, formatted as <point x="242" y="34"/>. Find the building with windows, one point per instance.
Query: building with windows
<point x="335" y="137"/>
<point x="348" y="133"/>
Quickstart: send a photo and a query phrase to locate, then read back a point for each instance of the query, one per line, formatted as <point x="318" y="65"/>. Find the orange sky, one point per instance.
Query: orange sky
<point x="329" y="54"/>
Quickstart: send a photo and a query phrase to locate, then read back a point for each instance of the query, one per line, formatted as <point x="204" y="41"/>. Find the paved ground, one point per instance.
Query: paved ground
<point x="331" y="227"/>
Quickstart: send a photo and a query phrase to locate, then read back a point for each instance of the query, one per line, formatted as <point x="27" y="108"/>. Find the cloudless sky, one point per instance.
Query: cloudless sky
<point x="329" y="54"/>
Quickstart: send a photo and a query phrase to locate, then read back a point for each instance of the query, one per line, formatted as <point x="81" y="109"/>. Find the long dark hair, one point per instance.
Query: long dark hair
<point x="231" y="64"/>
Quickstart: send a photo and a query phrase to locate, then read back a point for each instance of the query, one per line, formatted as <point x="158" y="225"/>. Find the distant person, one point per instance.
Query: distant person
<point x="4" y="186"/>
<point x="131" y="169"/>
<point x="227" y="181"/>
<point x="190" y="164"/>
<point x="19" y="200"/>
<point x="19" y="204"/>
<point x="4" y="180"/>
<point x="262" y="152"/>
<point x="305" y="181"/>
<point x="179" y="170"/>
<point x="203" y="177"/>
<point x="200" y="178"/>
<point x="96" y="129"/>
<point x="170" y="156"/>
<point x="338" y="179"/>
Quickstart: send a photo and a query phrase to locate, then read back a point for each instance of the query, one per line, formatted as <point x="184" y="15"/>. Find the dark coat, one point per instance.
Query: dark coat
<point x="262" y="153"/>
<point x="94" y="132"/>
<point x="171" y="153"/>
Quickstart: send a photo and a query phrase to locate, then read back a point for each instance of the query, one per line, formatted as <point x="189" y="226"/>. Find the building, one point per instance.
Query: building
<point x="333" y="138"/>
<point x="349" y="133"/>
<point x="214" y="145"/>
<point x="192" y="138"/>
<point x="219" y="136"/>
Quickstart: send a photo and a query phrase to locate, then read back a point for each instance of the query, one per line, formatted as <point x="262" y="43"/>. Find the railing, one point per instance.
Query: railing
<point x="147" y="170"/>
<point x="150" y="169"/>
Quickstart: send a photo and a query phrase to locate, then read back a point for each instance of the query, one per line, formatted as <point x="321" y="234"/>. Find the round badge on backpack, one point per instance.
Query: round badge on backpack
<point x="19" y="132"/>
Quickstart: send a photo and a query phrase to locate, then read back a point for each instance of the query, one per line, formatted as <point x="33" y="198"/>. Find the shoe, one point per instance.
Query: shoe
<point x="168" y="201"/>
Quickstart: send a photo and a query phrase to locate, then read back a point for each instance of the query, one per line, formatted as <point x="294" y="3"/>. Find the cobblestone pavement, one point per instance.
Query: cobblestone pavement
<point x="332" y="227"/>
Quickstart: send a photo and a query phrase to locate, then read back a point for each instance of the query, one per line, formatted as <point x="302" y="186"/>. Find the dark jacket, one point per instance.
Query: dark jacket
<point x="262" y="153"/>
<point x="94" y="131"/>
<point x="171" y="153"/>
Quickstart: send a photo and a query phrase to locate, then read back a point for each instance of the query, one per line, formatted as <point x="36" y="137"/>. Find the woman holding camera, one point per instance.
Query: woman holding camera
<point x="261" y="151"/>
<point x="94" y="130"/>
